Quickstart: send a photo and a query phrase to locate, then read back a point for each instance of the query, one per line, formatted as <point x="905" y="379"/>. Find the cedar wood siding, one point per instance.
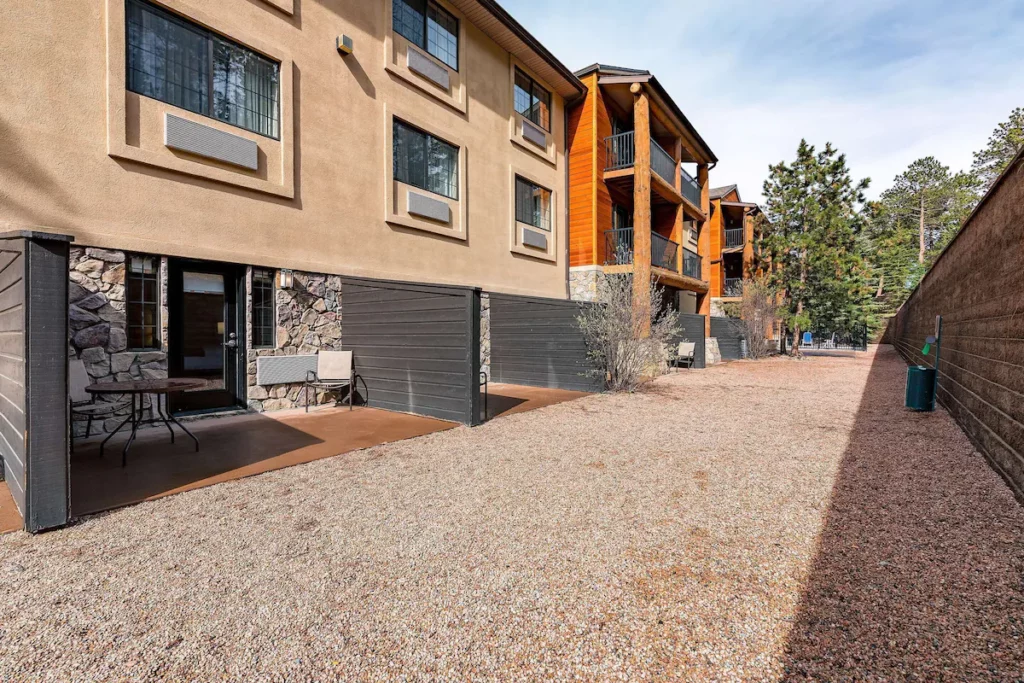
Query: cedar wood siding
<point x="582" y="178"/>
<point x="717" y="227"/>
<point x="590" y="204"/>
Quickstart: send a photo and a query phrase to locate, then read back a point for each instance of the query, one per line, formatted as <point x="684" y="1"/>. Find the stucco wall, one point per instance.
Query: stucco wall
<point x="977" y="286"/>
<point x="89" y="162"/>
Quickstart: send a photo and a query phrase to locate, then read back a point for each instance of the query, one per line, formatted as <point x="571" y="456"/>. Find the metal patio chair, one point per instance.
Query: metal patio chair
<point x="685" y="353"/>
<point x="335" y="370"/>
<point x="85" y="406"/>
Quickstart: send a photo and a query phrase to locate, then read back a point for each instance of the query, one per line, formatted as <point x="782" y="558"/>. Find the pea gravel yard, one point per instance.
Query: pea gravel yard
<point x="778" y="520"/>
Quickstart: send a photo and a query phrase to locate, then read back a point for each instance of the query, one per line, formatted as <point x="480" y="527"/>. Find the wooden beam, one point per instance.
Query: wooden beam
<point x="704" y="246"/>
<point x="641" y="208"/>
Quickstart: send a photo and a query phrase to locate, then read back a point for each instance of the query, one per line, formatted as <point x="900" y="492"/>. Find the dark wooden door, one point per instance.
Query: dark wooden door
<point x="206" y="333"/>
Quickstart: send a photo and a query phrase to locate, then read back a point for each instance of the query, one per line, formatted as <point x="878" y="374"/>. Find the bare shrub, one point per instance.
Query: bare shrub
<point x="759" y="312"/>
<point x="621" y="354"/>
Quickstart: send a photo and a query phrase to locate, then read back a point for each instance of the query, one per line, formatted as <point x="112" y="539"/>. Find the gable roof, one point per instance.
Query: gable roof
<point x="622" y="74"/>
<point x="719" y="192"/>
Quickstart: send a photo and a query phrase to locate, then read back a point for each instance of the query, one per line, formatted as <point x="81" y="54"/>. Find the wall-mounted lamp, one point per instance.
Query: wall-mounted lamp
<point x="345" y="45"/>
<point x="285" y="278"/>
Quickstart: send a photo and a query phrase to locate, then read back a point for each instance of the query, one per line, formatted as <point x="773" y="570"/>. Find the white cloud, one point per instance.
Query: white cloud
<point x="885" y="82"/>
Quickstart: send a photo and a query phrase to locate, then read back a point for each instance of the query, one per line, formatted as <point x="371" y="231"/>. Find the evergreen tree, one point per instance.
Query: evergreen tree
<point x="813" y="243"/>
<point x="1004" y="144"/>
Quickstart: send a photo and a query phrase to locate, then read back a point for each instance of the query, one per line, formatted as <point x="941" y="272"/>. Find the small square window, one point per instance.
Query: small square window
<point x="426" y="162"/>
<point x="428" y="26"/>
<point x="532" y="101"/>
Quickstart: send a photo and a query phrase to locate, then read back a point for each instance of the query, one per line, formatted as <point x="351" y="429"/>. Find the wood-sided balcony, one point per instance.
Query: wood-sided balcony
<point x="620" y="156"/>
<point x="671" y="264"/>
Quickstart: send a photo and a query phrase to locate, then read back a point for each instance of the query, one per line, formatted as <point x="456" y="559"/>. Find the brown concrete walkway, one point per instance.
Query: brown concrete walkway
<point x="10" y="518"/>
<point x="509" y="399"/>
<point x="230" y="448"/>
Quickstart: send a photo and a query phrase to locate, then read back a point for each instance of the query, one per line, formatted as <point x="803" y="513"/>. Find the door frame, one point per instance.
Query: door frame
<point x="235" y="381"/>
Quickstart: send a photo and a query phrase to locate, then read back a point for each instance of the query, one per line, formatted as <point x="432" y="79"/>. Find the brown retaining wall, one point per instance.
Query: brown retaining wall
<point x="977" y="286"/>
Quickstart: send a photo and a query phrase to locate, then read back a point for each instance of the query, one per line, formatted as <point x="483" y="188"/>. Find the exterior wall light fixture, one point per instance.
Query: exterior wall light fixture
<point x="285" y="278"/>
<point x="345" y="45"/>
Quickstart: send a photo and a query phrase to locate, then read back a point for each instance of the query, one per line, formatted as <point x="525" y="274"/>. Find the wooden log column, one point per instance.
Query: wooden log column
<point x="641" y="208"/>
<point x="704" y="247"/>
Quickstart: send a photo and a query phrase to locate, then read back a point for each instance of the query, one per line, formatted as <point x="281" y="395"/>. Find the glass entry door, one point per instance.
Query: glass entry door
<point x="205" y="340"/>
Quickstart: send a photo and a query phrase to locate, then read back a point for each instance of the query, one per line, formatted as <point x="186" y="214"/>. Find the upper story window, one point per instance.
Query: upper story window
<point x="175" y="61"/>
<point x="426" y="162"/>
<point x="429" y="26"/>
<point x="533" y="204"/>
<point x="142" y="302"/>
<point x="264" y="324"/>
<point x="532" y="101"/>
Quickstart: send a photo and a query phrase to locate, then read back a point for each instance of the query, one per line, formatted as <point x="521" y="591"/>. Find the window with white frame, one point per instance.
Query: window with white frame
<point x="183" y="64"/>
<point x="533" y="204"/>
<point x="428" y="26"/>
<point x="424" y="161"/>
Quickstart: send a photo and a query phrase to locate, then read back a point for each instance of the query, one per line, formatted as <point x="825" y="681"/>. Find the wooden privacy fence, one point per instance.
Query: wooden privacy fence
<point x="33" y="375"/>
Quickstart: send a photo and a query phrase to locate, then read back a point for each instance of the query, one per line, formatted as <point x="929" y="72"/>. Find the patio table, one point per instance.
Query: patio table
<point x="137" y="389"/>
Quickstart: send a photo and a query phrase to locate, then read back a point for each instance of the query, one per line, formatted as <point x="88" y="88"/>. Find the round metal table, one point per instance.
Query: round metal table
<point x="137" y="389"/>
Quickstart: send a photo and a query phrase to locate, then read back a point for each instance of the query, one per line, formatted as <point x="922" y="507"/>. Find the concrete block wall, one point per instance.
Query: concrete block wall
<point x="977" y="286"/>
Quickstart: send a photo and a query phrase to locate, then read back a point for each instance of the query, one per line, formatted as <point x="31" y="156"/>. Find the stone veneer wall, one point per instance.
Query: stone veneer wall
<point x="583" y="282"/>
<point x="485" y="334"/>
<point x="97" y="323"/>
<point x="308" y="320"/>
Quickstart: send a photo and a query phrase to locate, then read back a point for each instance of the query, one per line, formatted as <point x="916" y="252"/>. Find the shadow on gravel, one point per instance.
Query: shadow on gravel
<point x="919" y="570"/>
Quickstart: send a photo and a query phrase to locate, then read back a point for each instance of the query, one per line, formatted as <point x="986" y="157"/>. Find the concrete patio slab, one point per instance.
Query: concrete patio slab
<point x="10" y="518"/>
<point x="509" y="399"/>
<point x="230" y="448"/>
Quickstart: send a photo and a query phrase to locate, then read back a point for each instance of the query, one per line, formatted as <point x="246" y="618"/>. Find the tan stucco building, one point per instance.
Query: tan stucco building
<point x="191" y="147"/>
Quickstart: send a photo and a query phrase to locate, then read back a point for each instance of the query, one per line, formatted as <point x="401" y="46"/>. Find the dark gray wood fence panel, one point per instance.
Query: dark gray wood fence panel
<point x="691" y="328"/>
<point x="417" y="347"/>
<point x="33" y="375"/>
<point x="730" y="334"/>
<point x="537" y="342"/>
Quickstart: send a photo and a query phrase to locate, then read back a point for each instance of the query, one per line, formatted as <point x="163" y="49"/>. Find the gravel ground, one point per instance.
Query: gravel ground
<point x="755" y="521"/>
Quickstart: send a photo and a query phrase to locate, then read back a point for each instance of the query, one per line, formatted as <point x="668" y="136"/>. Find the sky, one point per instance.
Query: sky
<point x="886" y="81"/>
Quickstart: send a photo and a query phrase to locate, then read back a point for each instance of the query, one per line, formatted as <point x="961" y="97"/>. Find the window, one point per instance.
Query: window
<point x="622" y="218"/>
<point x="533" y="204"/>
<point x="423" y="161"/>
<point x="532" y="101"/>
<point x="177" y="62"/>
<point x="142" y="302"/>
<point x="428" y="26"/>
<point x="264" y="322"/>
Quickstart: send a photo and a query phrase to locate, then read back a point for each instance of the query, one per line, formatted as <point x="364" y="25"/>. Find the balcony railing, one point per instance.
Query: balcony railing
<point x="733" y="237"/>
<point x="664" y="253"/>
<point x="691" y="264"/>
<point x="620" y="152"/>
<point x="733" y="287"/>
<point x="691" y="188"/>
<point x="618" y="247"/>
<point x="662" y="163"/>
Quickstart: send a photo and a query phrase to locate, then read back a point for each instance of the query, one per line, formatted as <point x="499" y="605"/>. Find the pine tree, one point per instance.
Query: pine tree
<point x="814" y="243"/>
<point x="1004" y="144"/>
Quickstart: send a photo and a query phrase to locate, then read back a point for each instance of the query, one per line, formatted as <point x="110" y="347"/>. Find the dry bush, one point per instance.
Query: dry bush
<point x="759" y="312"/>
<point x="619" y="351"/>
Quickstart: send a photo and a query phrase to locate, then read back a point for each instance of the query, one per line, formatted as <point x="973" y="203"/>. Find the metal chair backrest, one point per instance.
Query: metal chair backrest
<point x="686" y="349"/>
<point x="78" y="380"/>
<point x="334" y="365"/>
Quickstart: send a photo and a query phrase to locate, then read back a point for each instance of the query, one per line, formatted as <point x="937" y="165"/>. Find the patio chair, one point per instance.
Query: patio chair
<point x="83" y="404"/>
<point x="685" y="353"/>
<point x="335" y="370"/>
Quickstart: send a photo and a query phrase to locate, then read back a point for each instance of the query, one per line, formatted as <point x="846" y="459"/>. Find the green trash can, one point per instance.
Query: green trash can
<point x="920" y="388"/>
